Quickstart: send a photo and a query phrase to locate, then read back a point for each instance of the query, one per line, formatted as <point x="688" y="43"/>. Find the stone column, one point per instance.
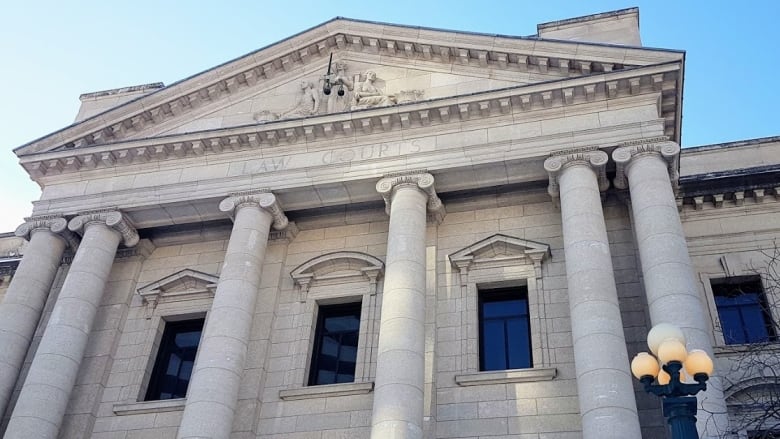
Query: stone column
<point x="46" y="391"/>
<point x="606" y="393"/>
<point x="670" y="282"/>
<point x="398" y="390"/>
<point x="213" y="391"/>
<point x="25" y="298"/>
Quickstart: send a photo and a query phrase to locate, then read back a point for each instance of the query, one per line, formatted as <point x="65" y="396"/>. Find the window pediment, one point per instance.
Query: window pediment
<point x="338" y="267"/>
<point x="500" y="249"/>
<point x="183" y="285"/>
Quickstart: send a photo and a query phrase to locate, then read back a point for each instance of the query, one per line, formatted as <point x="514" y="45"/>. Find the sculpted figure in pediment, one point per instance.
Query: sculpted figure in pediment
<point x="307" y="102"/>
<point x="340" y="81"/>
<point x="368" y="95"/>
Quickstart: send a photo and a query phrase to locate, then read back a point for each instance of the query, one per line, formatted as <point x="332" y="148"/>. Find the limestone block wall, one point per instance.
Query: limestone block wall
<point x="118" y="413"/>
<point x="528" y="409"/>
<point x="289" y="409"/>
<point x="275" y="401"/>
<point x="732" y="241"/>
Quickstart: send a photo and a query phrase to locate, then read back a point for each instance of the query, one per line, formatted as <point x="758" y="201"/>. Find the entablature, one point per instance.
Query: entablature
<point x="407" y="43"/>
<point x="518" y="102"/>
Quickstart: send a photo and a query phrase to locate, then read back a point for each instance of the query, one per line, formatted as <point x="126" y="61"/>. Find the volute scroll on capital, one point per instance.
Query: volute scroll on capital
<point x="262" y="199"/>
<point x="422" y="180"/>
<point x="111" y="218"/>
<point x="52" y="223"/>
<point x="625" y="153"/>
<point x="591" y="157"/>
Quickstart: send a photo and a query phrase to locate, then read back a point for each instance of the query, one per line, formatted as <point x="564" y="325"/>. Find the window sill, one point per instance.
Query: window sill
<point x="728" y="349"/>
<point x="506" y="376"/>
<point x="326" y="391"/>
<point x="141" y="407"/>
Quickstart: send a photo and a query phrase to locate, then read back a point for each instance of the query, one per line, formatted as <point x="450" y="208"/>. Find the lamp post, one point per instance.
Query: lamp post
<point x="669" y="367"/>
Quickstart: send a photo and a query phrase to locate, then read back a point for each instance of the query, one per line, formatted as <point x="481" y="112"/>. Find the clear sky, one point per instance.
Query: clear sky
<point x="53" y="51"/>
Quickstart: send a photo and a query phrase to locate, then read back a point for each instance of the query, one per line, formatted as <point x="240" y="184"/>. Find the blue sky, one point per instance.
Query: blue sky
<point x="54" y="51"/>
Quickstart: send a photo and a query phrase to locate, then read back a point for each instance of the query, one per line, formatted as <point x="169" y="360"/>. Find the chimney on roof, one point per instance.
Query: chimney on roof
<point x="100" y="101"/>
<point x="614" y="27"/>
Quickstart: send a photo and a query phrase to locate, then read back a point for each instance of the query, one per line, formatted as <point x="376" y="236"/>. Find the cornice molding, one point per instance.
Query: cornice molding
<point x="454" y="48"/>
<point x="285" y="133"/>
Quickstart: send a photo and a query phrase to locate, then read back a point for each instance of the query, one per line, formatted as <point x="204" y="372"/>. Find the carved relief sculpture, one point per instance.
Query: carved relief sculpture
<point x="340" y="82"/>
<point x="307" y="103"/>
<point x="368" y="95"/>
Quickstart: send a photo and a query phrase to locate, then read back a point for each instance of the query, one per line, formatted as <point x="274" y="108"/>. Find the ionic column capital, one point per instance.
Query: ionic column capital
<point x="52" y="223"/>
<point x="111" y="218"/>
<point x="262" y="199"/>
<point x="661" y="147"/>
<point x="561" y="160"/>
<point x="422" y="180"/>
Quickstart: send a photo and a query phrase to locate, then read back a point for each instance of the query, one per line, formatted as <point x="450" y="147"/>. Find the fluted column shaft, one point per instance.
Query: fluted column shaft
<point x="44" y="397"/>
<point x="213" y="391"/>
<point x="670" y="283"/>
<point x="606" y="393"/>
<point x="398" y="391"/>
<point x="26" y="296"/>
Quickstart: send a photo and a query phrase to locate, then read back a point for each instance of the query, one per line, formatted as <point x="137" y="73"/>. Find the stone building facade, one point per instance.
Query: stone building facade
<point x="467" y="236"/>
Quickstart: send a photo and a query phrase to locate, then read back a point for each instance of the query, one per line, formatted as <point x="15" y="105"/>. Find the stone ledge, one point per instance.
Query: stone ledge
<point x="742" y="349"/>
<point x="141" y="407"/>
<point x="328" y="390"/>
<point x="506" y="376"/>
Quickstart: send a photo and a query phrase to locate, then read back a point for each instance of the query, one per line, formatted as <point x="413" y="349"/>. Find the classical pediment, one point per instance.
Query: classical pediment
<point x="500" y="249"/>
<point x="183" y="285"/>
<point x="411" y="64"/>
<point x="337" y="267"/>
<point x="391" y="82"/>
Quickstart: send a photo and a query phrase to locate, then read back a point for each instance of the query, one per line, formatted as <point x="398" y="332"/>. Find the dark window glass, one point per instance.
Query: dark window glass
<point x="505" y="332"/>
<point x="774" y="434"/>
<point x="335" y="344"/>
<point x="743" y="312"/>
<point x="173" y="367"/>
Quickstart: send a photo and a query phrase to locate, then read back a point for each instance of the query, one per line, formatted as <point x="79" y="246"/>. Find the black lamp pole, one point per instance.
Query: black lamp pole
<point x="679" y="404"/>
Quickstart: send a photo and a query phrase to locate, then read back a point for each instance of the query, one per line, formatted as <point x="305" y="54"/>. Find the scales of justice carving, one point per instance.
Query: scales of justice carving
<point x="361" y="91"/>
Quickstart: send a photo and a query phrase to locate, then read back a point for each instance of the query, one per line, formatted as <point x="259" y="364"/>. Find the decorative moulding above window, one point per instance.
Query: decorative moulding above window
<point x="338" y="267"/>
<point x="506" y="376"/>
<point x="500" y="250"/>
<point x="183" y="285"/>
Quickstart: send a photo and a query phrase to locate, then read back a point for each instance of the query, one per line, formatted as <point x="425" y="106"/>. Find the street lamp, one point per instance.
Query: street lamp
<point x="669" y="366"/>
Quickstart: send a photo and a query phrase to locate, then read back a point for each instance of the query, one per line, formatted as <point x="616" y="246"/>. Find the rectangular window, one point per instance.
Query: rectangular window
<point x="175" y="359"/>
<point x="504" y="329"/>
<point x="335" y="344"/>
<point x="742" y="310"/>
<point x="774" y="434"/>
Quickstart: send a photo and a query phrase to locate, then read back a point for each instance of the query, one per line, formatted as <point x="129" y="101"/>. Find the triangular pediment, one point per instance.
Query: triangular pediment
<point x="410" y="63"/>
<point x="186" y="284"/>
<point x="500" y="248"/>
<point x="302" y="96"/>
